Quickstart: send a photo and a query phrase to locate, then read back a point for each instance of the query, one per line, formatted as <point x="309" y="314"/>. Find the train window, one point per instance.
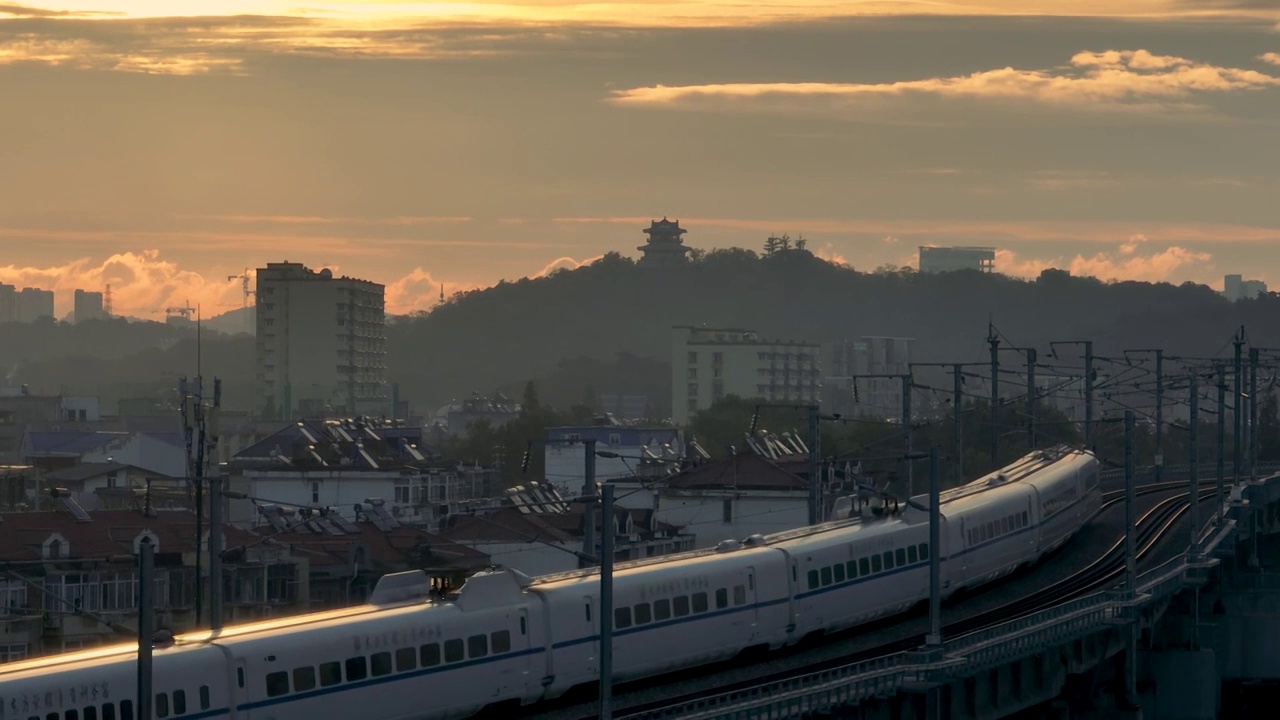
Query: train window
<point x="522" y="628"/>
<point x="851" y="569"/>
<point x="587" y="608"/>
<point x="751" y="582"/>
<point x="622" y="617"/>
<point x="722" y="599"/>
<point x="330" y="674"/>
<point x="239" y="681"/>
<point x="204" y="697"/>
<point x="91" y="713"/>
<point x="430" y="654"/>
<point x="357" y="668"/>
<point x="661" y="609"/>
<point x="875" y="564"/>
<point x="912" y="554"/>
<point x="643" y="613"/>
<point x="406" y="659"/>
<point x="924" y="551"/>
<point x="826" y="576"/>
<point x="477" y="646"/>
<point x="72" y="715"/>
<point x="501" y="641"/>
<point x="813" y="579"/>
<point x="1025" y="521"/>
<point x="888" y="559"/>
<point x="839" y="571"/>
<point x="739" y="595"/>
<point x="304" y="678"/>
<point x="1004" y="526"/>
<point x="108" y="711"/>
<point x="380" y="664"/>
<point x="900" y="556"/>
<point x="162" y="701"/>
<point x="699" y="602"/>
<point x="53" y="716"/>
<point x="179" y="702"/>
<point x="126" y="709"/>
<point x="277" y="684"/>
<point x="680" y="605"/>
<point x="864" y="567"/>
<point x="453" y="650"/>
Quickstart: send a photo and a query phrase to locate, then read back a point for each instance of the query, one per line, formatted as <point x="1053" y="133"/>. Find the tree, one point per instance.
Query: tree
<point x="530" y="405"/>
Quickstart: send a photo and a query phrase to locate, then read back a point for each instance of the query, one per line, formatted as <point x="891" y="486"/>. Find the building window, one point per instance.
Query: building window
<point x="693" y="373"/>
<point x="615" y="439"/>
<point x="717" y="358"/>
<point x="13" y="595"/>
<point x="693" y="357"/>
<point x="693" y="390"/>
<point x="402" y="491"/>
<point x="12" y="652"/>
<point x="315" y="491"/>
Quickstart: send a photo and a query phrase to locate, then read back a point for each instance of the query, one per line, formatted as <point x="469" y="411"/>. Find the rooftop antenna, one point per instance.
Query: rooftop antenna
<point x="106" y="301"/>
<point x="441" y="293"/>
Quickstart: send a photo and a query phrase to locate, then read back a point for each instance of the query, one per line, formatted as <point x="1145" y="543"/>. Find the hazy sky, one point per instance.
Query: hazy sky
<point x="420" y="143"/>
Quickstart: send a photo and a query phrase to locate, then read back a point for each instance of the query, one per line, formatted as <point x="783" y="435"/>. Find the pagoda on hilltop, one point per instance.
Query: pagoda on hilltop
<point x="665" y="247"/>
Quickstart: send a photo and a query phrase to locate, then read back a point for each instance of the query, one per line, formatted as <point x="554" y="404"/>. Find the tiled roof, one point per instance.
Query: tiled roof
<point x="507" y="525"/>
<point x="84" y="471"/>
<point x="69" y="442"/>
<point x="744" y="471"/>
<point x="405" y="546"/>
<point x="110" y="532"/>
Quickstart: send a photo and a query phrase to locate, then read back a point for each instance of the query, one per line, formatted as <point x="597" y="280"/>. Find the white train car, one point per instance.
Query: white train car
<point x="433" y="660"/>
<point x="505" y="640"/>
<point x="1068" y="494"/>
<point x="700" y="608"/>
<point x="190" y="681"/>
<point x="852" y="572"/>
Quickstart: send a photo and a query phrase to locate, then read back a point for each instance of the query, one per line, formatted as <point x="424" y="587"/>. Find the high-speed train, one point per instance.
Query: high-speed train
<point x="507" y="639"/>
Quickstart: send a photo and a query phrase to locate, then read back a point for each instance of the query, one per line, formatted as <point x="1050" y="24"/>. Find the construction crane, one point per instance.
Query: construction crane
<point x="244" y="283"/>
<point x="185" y="312"/>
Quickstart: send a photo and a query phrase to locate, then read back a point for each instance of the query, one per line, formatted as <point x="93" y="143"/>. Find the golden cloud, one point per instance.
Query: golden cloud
<point x="1110" y="79"/>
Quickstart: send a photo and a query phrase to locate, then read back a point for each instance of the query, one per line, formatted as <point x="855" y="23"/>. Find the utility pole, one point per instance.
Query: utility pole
<point x="1253" y="412"/>
<point x="146" y="625"/>
<point x="589" y="489"/>
<point x="1239" y="344"/>
<point x="906" y="429"/>
<point x="1088" y="394"/>
<point x="994" y="341"/>
<point x="1130" y="560"/>
<point x="1159" y="415"/>
<point x="606" y="600"/>
<point x="934" y="640"/>
<point x="815" y="479"/>
<point x="215" y="553"/>
<point x="1031" y="398"/>
<point x="1222" y="441"/>
<point x="957" y="401"/>
<point x="1194" y="458"/>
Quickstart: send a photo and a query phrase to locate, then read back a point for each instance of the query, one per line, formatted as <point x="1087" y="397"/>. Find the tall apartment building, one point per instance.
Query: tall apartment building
<point x="321" y="345"/>
<point x="8" y="303"/>
<point x="34" y="303"/>
<point x="948" y="259"/>
<point x="709" y="363"/>
<point x="88" y="306"/>
<point x="1235" y="287"/>
<point x="879" y="397"/>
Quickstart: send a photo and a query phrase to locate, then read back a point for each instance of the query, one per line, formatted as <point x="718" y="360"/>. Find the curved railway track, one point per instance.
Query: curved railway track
<point x="1103" y="572"/>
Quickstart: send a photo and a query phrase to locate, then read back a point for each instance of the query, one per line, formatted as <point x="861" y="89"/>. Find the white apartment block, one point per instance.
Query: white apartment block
<point x="321" y="343"/>
<point x="708" y="364"/>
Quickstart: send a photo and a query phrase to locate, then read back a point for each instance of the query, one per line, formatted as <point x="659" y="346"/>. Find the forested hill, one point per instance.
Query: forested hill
<point x="606" y="328"/>
<point x="521" y="330"/>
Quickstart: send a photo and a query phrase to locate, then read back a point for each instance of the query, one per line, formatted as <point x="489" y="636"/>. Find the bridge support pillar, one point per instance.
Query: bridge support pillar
<point x="1186" y="684"/>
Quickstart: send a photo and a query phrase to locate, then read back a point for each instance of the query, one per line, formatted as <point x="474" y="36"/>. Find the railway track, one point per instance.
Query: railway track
<point x="1105" y="571"/>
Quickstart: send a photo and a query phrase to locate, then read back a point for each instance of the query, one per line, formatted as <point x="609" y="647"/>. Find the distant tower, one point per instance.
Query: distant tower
<point x="665" y="247"/>
<point x="441" y="293"/>
<point x="106" y="301"/>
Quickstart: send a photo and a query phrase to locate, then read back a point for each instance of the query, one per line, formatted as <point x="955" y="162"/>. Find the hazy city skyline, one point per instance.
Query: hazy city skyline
<point x="419" y="144"/>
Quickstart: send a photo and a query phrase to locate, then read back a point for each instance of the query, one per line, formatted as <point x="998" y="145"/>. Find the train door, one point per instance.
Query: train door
<point x="752" y="617"/>
<point x="514" y="673"/>
<point x="238" y="697"/>
<point x="793" y="605"/>
<point x="591" y="664"/>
